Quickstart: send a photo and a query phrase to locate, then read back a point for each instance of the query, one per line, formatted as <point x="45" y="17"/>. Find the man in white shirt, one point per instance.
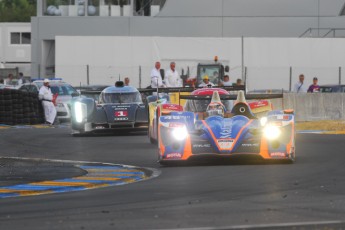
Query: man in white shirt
<point x="9" y="80"/>
<point x="300" y="87"/>
<point x="226" y="81"/>
<point x="156" y="78"/>
<point x="126" y="81"/>
<point x="206" y="82"/>
<point x="46" y="96"/>
<point x="20" y="79"/>
<point x="172" y="78"/>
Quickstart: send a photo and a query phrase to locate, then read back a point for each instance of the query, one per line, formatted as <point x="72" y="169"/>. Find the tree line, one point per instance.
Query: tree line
<point x="17" y="10"/>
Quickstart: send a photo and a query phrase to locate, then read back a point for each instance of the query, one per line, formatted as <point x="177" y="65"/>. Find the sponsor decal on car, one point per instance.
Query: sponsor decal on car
<point x="169" y="118"/>
<point x="121" y="119"/>
<point x="283" y="117"/>
<point x="201" y="145"/>
<point x="174" y="155"/>
<point x="257" y="104"/>
<point x="225" y="144"/>
<point x="121" y="106"/>
<point x="172" y="107"/>
<point x="277" y="154"/>
<point x="121" y="113"/>
<point x="250" y="145"/>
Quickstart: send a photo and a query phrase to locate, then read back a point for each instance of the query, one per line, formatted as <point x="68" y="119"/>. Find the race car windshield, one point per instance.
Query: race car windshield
<point x="133" y="97"/>
<point x="63" y="89"/>
<point x="201" y="105"/>
<point x="212" y="72"/>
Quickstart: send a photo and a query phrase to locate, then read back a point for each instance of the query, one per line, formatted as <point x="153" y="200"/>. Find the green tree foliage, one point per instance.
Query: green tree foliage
<point x="17" y="10"/>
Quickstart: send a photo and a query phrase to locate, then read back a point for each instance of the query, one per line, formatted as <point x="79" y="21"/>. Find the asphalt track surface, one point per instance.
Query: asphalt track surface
<point x="309" y="194"/>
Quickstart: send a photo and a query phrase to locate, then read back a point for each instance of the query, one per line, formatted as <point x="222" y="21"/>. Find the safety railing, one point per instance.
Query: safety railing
<point x="324" y="32"/>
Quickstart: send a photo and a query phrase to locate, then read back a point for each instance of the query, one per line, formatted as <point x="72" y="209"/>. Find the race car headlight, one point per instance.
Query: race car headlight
<point x="272" y="132"/>
<point x="180" y="133"/>
<point x="263" y="121"/>
<point x="80" y="111"/>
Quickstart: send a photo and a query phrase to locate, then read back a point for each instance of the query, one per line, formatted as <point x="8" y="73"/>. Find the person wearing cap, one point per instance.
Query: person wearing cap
<point x="313" y="88"/>
<point x="206" y="82"/>
<point x="46" y="96"/>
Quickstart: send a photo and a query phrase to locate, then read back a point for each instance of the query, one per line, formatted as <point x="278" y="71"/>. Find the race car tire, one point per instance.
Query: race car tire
<point x="293" y="157"/>
<point x="152" y="140"/>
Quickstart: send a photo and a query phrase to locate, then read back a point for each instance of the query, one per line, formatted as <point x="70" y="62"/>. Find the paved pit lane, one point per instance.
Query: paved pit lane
<point x="27" y="177"/>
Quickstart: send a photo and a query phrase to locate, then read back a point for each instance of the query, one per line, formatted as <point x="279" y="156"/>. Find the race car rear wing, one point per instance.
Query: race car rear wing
<point x="188" y="89"/>
<point x="233" y="97"/>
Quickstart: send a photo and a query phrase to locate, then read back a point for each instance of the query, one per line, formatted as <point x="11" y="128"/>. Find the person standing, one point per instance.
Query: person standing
<point x="226" y="81"/>
<point x="172" y="77"/>
<point x="300" y="87"/>
<point x="313" y="88"/>
<point x="156" y="78"/>
<point x="9" y="79"/>
<point x="20" y="79"/>
<point x="126" y="81"/>
<point x="46" y="96"/>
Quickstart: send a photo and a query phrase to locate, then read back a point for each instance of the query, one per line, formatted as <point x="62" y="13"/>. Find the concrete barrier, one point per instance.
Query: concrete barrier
<point x="313" y="106"/>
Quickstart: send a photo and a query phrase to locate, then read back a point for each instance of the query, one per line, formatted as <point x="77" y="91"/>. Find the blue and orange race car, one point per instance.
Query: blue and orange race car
<point x="215" y="129"/>
<point x="164" y="106"/>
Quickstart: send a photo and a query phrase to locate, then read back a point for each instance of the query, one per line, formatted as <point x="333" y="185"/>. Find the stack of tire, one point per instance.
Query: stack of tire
<point x="20" y="108"/>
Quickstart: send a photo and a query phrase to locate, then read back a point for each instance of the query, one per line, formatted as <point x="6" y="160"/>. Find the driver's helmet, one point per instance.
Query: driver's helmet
<point x="215" y="109"/>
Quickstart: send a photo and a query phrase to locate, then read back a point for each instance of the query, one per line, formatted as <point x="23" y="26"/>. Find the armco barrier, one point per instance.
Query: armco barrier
<point x="20" y="108"/>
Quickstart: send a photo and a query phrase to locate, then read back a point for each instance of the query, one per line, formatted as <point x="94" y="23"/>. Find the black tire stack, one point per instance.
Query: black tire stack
<point x="20" y="108"/>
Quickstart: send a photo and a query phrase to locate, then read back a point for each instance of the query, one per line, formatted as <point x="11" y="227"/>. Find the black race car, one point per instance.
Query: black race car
<point x="119" y="108"/>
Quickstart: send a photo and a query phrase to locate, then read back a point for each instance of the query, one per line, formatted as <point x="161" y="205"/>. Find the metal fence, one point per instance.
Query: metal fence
<point x="256" y="78"/>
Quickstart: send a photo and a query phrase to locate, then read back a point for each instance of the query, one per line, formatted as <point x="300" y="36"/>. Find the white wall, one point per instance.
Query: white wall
<point x="268" y="60"/>
<point x="15" y="55"/>
<point x="109" y="57"/>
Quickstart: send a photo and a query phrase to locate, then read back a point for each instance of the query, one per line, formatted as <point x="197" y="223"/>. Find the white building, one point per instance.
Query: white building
<point x="77" y="40"/>
<point x="15" y="46"/>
